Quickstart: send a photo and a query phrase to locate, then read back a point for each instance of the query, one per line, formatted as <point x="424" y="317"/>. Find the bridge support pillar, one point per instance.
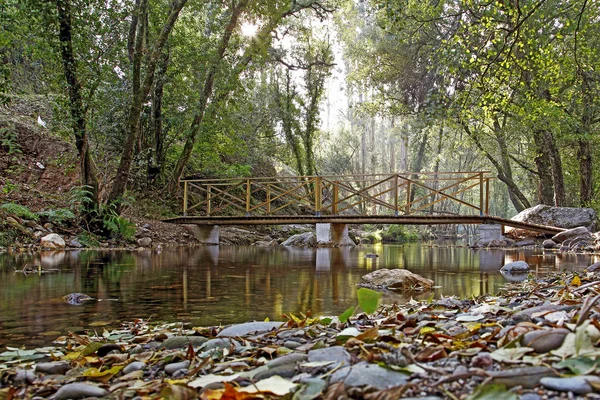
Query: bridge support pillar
<point x="205" y="234"/>
<point x="489" y="232"/>
<point x="333" y="235"/>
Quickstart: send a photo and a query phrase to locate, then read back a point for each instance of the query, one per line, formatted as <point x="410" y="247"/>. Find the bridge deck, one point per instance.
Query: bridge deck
<point x="361" y="219"/>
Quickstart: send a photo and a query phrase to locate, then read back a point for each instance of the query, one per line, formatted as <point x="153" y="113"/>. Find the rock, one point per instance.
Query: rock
<point x="134" y="366"/>
<point x="75" y="243"/>
<point x="24" y="376"/>
<point x="482" y="360"/>
<point x="575" y="384"/>
<point x="53" y="368"/>
<point x="371" y="255"/>
<point x="248" y="328"/>
<point x="301" y="239"/>
<point x="219" y="344"/>
<point x="53" y="241"/>
<point x="108" y="348"/>
<point x="395" y="279"/>
<point x="543" y="341"/>
<point x="284" y="371"/>
<point x="549" y="244"/>
<point x="562" y="217"/>
<point x="180" y="342"/>
<point x="527" y="377"/>
<point x="337" y="354"/>
<point x="363" y="374"/>
<point x="79" y="391"/>
<point x="580" y="232"/>
<point x="288" y="359"/>
<point x="76" y="299"/>
<point x="516" y="267"/>
<point x="144" y="242"/>
<point x="48" y="226"/>
<point x="15" y="224"/>
<point x="174" y="367"/>
<point x="544" y="308"/>
<point x="594" y="267"/>
<point x="525" y="242"/>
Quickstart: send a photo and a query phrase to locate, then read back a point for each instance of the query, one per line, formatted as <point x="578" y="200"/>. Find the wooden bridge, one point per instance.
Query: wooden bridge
<point x="397" y="198"/>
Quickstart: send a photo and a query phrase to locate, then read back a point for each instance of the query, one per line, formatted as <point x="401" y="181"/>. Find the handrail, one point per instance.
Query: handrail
<point x="363" y="194"/>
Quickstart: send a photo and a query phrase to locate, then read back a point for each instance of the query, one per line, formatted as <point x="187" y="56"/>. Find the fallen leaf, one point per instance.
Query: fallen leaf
<point x="102" y="376"/>
<point x="492" y="392"/>
<point x="510" y="354"/>
<point x="275" y="384"/>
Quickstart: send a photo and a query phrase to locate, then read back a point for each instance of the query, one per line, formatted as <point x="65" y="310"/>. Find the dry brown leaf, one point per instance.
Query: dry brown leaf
<point x="336" y="391"/>
<point x="388" y="394"/>
<point x="369" y="335"/>
<point x="431" y="354"/>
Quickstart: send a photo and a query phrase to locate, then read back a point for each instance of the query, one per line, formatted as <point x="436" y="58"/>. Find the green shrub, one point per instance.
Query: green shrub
<point x="118" y="225"/>
<point x="58" y="216"/>
<point x="19" y="211"/>
<point x="88" y="240"/>
<point x="398" y="234"/>
<point x="8" y="237"/>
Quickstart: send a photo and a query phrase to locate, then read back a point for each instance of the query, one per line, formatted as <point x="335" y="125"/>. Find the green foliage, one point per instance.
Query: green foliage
<point x="117" y="225"/>
<point x="368" y="300"/>
<point x="9" y="187"/>
<point x="87" y="239"/>
<point x="8" y="237"/>
<point x="58" y="216"/>
<point x="8" y="139"/>
<point x="398" y="234"/>
<point x="19" y="211"/>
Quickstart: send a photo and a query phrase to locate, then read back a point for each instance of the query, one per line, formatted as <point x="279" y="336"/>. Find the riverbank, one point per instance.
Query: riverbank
<point x="536" y="340"/>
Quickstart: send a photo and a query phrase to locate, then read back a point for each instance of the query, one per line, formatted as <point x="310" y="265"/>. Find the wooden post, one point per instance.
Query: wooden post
<point x="248" y="194"/>
<point x="185" y="198"/>
<point x="208" y="200"/>
<point x="407" y="208"/>
<point x="487" y="196"/>
<point x="396" y="195"/>
<point x="481" y="194"/>
<point x="334" y="205"/>
<point x="268" y="199"/>
<point x="318" y="196"/>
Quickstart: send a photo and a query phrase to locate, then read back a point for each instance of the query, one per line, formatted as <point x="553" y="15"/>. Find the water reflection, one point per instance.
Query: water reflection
<point x="221" y="285"/>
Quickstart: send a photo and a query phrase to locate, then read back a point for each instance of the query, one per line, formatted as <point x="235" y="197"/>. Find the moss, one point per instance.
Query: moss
<point x="19" y="211"/>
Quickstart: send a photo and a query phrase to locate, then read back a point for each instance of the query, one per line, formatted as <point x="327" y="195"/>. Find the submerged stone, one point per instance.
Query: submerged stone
<point x="395" y="279"/>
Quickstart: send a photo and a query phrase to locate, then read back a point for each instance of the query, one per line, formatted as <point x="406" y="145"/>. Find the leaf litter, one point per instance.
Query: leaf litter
<point x="516" y="343"/>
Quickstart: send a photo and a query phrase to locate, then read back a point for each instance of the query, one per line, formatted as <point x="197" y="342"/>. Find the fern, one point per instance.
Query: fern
<point x="19" y="211"/>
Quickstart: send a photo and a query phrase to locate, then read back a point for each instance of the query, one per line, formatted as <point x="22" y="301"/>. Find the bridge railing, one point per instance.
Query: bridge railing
<point x="396" y="194"/>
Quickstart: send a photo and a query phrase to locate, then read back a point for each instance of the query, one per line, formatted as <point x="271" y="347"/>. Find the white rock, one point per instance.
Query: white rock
<point x="53" y="241"/>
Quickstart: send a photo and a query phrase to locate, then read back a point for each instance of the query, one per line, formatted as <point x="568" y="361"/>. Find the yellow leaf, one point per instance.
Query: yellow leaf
<point x="72" y="356"/>
<point x="426" y="329"/>
<point x="474" y="326"/>
<point x="102" y="376"/>
<point x="176" y="381"/>
<point x="576" y="281"/>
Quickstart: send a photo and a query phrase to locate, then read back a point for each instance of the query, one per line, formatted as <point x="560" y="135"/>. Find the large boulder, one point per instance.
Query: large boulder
<point x="395" y="279"/>
<point x="301" y="239"/>
<point x="561" y="217"/>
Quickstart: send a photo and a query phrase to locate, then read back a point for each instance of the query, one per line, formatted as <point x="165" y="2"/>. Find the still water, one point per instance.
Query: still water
<point x="228" y="284"/>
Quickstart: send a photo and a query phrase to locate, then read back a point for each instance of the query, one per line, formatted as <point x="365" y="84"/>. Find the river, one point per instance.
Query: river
<point x="226" y="284"/>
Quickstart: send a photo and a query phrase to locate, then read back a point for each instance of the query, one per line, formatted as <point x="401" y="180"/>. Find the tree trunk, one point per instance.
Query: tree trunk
<point x="88" y="172"/>
<point x="207" y="92"/>
<point x="139" y="95"/>
<point x="157" y="120"/>
<point x="586" y="186"/>
<point x="518" y="199"/>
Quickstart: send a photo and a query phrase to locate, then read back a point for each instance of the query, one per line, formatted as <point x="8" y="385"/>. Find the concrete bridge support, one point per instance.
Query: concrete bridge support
<point x="206" y="234"/>
<point x="333" y="235"/>
<point x="489" y="232"/>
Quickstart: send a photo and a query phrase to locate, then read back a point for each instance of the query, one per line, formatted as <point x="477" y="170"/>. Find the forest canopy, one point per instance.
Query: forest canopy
<point x="153" y="91"/>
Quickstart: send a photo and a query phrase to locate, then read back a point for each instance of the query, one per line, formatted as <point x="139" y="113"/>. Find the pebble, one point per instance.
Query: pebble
<point x="288" y="359"/>
<point x="220" y="344"/>
<point x="174" y="367"/>
<point x="545" y="340"/>
<point x="290" y="344"/>
<point x="363" y="373"/>
<point x="134" y="366"/>
<point x="53" y="368"/>
<point x="180" y="342"/>
<point x="249" y="328"/>
<point x="575" y="384"/>
<point x="24" y="376"/>
<point x="284" y="371"/>
<point x="79" y="391"/>
<point x="336" y="353"/>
